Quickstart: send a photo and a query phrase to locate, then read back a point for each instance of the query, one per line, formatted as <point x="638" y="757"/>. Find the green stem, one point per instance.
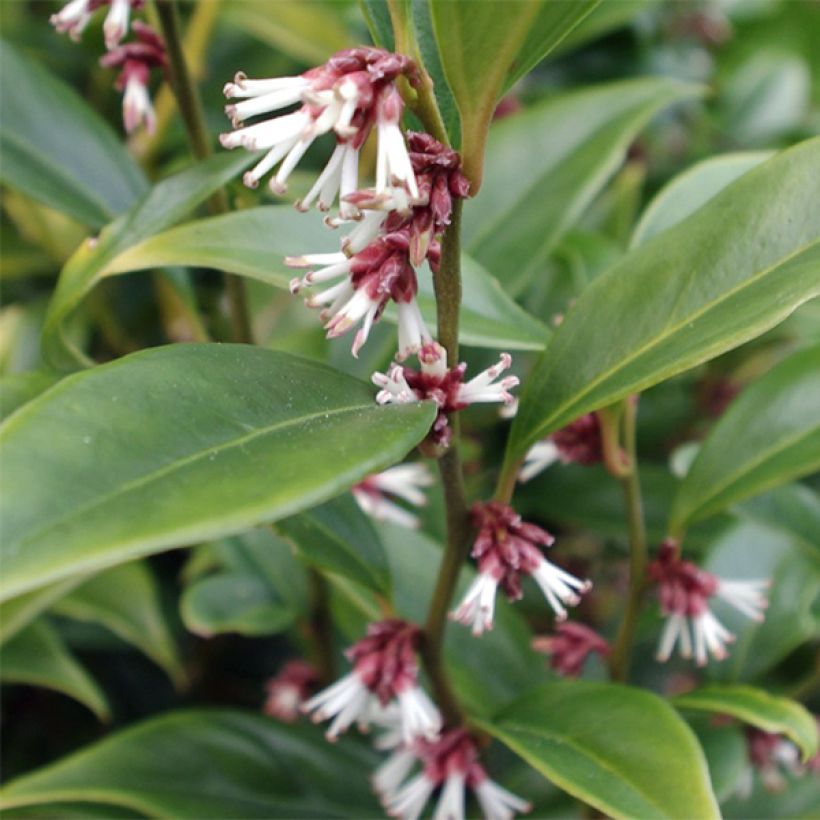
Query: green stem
<point x="622" y="650"/>
<point x="447" y="284"/>
<point x="190" y="108"/>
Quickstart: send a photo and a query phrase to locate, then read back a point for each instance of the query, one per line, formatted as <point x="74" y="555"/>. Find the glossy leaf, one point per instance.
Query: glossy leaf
<point x="258" y="588"/>
<point x="37" y="656"/>
<point x="546" y="164"/>
<point x="209" y="764"/>
<point x="484" y="47"/>
<point x="338" y="537"/>
<point x="769" y="435"/>
<point x="80" y="167"/>
<point x="19" y="388"/>
<point x="726" y="753"/>
<point x="732" y="270"/>
<point x="181" y="444"/>
<point x="255" y="242"/>
<point x="693" y="188"/>
<point x="165" y="204"/>
<point x="126" y="600"/>
<point x="757" y="708"/>
<point x="622" y="750"/>
<point x="18" y="612"/>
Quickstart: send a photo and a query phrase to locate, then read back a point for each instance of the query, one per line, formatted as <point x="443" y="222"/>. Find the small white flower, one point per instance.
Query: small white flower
<point x="541" y="455"/>
<point x="749" y="597"/>
<point x="450" y="804"/>
<point x="389" y="776"/>
<point x="347" y="701"/>
<point x="136" y="106"/>
<point x="72" y="18"/>
<point x="484" y="388"/>
<point x="477" y="608"/>
<point x="559" y="587"/>
<point x="419" y="716"/>
<point x="116" y="22"/>
<point x="409" y="801"/>
<point x="497" y="803"/>
<point x="393" y="166"/>
<point x="404" y="481"/>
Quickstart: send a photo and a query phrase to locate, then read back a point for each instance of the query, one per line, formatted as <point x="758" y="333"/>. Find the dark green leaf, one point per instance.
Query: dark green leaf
<point x="56" y="149"/>
<point x="757" y="708"/>
<point x="729" y="272"/>
<point x="37" y="656"/>
<point x="209" y="764"/>
<point x="125" y="599"/>
<point x="545" y="165"/>
<point x="166" y="203"/>
<point x="338" y="537"/>
<point x="619" y="749"/>
<point x="181" y="444"/>
<point x="726" y="753"/>
<point x="769" y="435"/>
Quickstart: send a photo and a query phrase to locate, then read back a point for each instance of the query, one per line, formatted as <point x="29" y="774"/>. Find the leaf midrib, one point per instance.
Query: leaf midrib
<point x="581" y="749"/>
<point x="192" y="458"/>
<point x="751" y="465"/>
<point x="670" y="331"/>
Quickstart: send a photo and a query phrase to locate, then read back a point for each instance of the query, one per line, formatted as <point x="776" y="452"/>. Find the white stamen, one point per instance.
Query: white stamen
<point x="541" y="455"/>
<point x="477" y="608"/>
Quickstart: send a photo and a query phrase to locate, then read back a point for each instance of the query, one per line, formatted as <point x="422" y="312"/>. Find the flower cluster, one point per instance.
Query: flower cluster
<point x="505" y="548"/>
<point x="579" y="443"/>
<point x="406" y="481"/>
<point x="684" y="590"/>
<point x="570" y="646"/>
<point x="450" y="762"/>
<point x="385" y="672"/>
<point x="289" y="689"/>
<point x="135" y="59"/>
<point x="446" y="387"/>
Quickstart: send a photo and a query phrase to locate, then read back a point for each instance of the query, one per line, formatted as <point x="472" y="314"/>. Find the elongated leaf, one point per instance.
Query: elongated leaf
<point x="18" y="388"/>
<point x="258" y="589"/>
<point x="769" y="435"/>
<point x="622" y="750"/>
<point x="255" y="242"/>
<point x="37" y="656"/>
<point x="125" y="599"/>
<point x="18" y="612"/>
<point x="485" y="46"/>
<point x="209" y="764"/>
<point x="180" y="444"/>
<point x="693" y="188"/>
<point x="79" y="167"/>
<point x="757" y="708"/>
<point x="731" y="271"/>
<point x="726" y="753"/>
<point x="165" y="204"/>
<point x="338" y="537"/>
<point x="545" y="165"/>
<point x="377" y="17"/>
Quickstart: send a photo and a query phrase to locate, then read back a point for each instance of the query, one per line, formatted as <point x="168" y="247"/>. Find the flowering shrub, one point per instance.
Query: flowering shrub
<point x="576" y="412"/>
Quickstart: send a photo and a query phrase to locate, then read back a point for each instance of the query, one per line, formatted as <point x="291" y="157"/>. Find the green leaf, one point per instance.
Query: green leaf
<point x="377" y="17"/>
<point x="726" y="753"/>
<point x="622" y="750"/>
<point x="255" y="242"/>
<point x="19" y="388"/>
<point x="259" y="587"/>
<point x="485" y="46"/>
<point x="37" y="656"/>
<point x="757" y="708"/>
<point x="729" y="272"/>
<point x="165" y="204"/>
<point x="79" y="167"/>
<point x="338" y="537"/>
<point x="545" y="165"/>
<point x="692" y="189"/>
<point x="126" y="600"/>
<point x="180" y="444"/>
<point x="769" y="435"/>
<point x="17" y="612"/>
<point x="209" y="764"/>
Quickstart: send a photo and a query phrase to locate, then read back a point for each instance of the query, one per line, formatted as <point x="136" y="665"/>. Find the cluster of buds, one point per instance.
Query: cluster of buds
<point x="578" y="443"/>
<point x="570" y="646"/>
<point x="506" y="547"/>
<point x="385" y="673"/>
<point x="289" y="689"/>
<point x="451" y="763"/>
<point x="135" y="59"/>
<point x="446" y="387"/>
<point x="406" y="481"/>
<point x="684" y="590"/>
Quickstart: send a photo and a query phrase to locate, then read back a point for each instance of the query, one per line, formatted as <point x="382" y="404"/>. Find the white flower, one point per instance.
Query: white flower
<point x="116" y="22"/>
<point x="72" y="18"/>
<point x="136" y="106"/>
<point x="497" y="803"/>
<point x="749" y="597"/>
<point x="404" y="481"/>
<point x="484" y="388"/>
<point x="559" y="587"/>
<point x="541" y="455"/>
<point x="393" y="166"/>
<point x="347" y="701"/>
<point x="450" y="804"/>
<point x="389" y="776"/>
<point x="477" y="608"/>
<point x="409" y="801"/>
